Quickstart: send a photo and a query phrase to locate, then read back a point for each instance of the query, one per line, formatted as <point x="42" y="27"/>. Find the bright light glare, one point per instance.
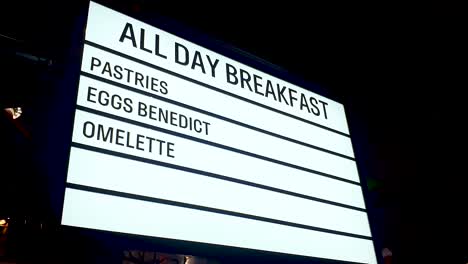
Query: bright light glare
<point x="15" y="112"/>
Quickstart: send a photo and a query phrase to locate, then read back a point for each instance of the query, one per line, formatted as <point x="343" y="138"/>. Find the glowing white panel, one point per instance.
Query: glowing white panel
<point x="110" y="99"/>
<point x="108" y="26"/>
<point x="104" y="212"/>
<point x="90" y="129"/>
<point x="109" y="172"/>
<point x="195" y="95"/>
<point x="227" y="154"/>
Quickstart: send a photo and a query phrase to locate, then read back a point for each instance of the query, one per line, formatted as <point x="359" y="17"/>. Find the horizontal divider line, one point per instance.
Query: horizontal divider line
<point x="211" y="175"/>
<point x="210" y="86"/>
<point x="167" y="100"/>
<point x="216" y="145"/>
<point x="210" y="209"/>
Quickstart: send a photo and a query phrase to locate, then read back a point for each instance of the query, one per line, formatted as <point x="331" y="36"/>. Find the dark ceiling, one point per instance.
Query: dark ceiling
<point x="396" y="67"/>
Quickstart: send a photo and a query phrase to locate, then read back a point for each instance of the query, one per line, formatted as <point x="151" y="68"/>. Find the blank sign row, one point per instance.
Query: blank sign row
<point x="128" y="176"/>
<point x="113" y="213"/>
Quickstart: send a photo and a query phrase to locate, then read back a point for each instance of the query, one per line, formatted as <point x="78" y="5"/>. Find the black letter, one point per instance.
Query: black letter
<point x="128" y="141"/>
<point x="128" y="105"/>
<point x="118" y="70"/>
<point x="169" y="149"/>
<point x="245" y="79"/>
<point x="119" y="136"/>
<point x="281" y="93"/>
<point x="269" y="90"/>
<point x="116" y="104"/>
<point x="95" y="62"/>
<point x="128" y="74"/>
<point x="324" y="110"/>
<point x="177" y="46"/>
<point x="173" y="117"/>
<point x="197" y="61"/>
<point x="124" y="35"/>
<point x="142" y="41"/>
<point x="206" y="127"/>
<point x="142" y="109"/>
<point x="92" y="129"/>
<point x="91" y="94"/>
<point x="156" y="47"/>
<point x="184" y="123"/>
<point x="314" y="108"/>
<point x="152" y="112"/>
<point x="197" y="123"/>
<point x="162" y="115"/>
<point x="107" y="69"/>
<point x="154" y="82"/>
<point x="150" y="140"/>
<point x="106" y="100"/>
<point x="107" y="135"/>
<point x="304" y="103"/>
<point x="291" y="97"/>
<point x="231" y="71"/>
<point x="257" y="84"/>
<point x="163" y="87"/>
<point x="161" y="142"/>
<point x="213" y="65"/>
<point x="139" y="142"/>
<point x="139" y="78"/>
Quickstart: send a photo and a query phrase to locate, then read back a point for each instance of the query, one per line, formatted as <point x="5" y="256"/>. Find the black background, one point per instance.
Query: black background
<point x="398" y="69"/>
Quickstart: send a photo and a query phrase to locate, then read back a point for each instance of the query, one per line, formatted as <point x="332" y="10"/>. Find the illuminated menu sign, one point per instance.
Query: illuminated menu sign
<point x="172" y="140"/>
